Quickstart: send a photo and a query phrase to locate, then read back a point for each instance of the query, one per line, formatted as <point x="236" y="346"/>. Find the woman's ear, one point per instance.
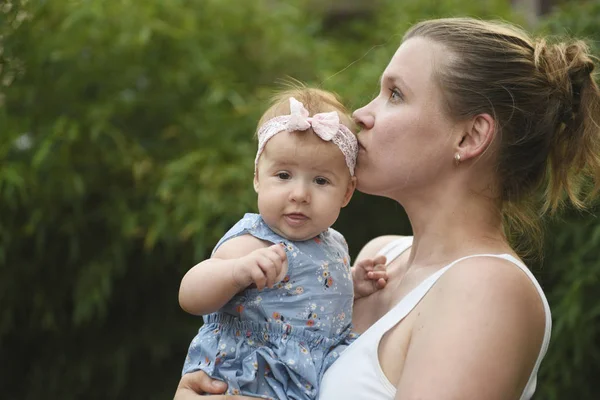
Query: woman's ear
<point x="349" y="191"/>
<point x="477" y="135"/>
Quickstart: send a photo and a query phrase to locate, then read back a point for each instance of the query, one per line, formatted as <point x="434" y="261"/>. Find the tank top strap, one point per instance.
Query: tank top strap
<point x="408" y="302"/>
<point x="393" y="249"/>
<point x="362" y="359"/>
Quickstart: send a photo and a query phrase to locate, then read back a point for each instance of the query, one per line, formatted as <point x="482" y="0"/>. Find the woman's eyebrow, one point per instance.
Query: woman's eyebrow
<point x="396" y="81"/>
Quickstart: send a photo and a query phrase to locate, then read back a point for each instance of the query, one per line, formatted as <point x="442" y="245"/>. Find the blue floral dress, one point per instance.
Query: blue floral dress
<point x="278" y="342"/>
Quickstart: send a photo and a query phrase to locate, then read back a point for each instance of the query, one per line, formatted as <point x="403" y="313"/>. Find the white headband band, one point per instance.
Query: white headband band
<point x="325" y="125"/>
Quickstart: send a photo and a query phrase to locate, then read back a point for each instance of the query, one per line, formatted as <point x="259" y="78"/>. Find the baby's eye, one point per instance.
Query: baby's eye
<point x="283" y="175"/>
<point x="321" y="181"/>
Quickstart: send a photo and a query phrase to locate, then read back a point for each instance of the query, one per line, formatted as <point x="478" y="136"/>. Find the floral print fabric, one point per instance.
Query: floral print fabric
<point x="278" y="342"/>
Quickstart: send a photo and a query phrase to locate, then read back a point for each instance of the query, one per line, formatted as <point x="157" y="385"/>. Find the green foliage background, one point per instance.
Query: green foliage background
<point x="126" y="147"/>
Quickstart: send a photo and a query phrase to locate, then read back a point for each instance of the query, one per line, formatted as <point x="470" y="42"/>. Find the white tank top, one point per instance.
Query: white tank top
<point x="357" y="374"/>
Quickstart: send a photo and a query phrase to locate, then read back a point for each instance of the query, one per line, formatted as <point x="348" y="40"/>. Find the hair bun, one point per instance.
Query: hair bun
<point x="568" y="67"/>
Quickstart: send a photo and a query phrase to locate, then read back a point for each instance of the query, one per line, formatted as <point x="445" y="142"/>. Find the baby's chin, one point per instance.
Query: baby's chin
<point x="297" y="236"/>
<point x="300" y="238"/>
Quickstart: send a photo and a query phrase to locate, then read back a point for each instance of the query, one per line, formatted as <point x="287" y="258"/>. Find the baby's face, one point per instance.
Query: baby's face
<point x="302" y="183"/>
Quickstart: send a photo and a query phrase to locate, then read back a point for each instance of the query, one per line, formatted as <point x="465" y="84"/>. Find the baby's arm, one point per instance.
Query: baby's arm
<point x="235" y="265"/>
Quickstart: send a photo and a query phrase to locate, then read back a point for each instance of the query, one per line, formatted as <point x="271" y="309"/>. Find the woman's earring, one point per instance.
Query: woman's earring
<point x="457" y="158"/>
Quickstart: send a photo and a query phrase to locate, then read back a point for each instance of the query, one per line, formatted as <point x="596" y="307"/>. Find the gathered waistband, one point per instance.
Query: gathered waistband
<point x="268" y="331"/>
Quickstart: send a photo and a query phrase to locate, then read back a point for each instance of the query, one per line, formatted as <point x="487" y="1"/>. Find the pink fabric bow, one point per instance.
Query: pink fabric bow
<point x="325" y="125"/>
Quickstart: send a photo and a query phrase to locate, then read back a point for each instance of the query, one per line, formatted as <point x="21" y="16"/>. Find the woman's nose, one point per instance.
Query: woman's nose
<point x="363" y="117"/>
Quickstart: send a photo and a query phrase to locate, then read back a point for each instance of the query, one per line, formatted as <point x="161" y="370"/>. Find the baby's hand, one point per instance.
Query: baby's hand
<point x="263" y="267"/>
<point x="369" y="275"/>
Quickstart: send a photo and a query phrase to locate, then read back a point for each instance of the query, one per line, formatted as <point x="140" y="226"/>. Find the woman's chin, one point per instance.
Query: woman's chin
<point x="369" y="183"/>
<point x="366" y="186"/>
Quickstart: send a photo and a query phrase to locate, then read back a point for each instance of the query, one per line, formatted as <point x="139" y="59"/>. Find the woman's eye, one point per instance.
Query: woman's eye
<point x="321" y="181"/>
<point x="283" y="175"/>
<point x="396" y="95"/>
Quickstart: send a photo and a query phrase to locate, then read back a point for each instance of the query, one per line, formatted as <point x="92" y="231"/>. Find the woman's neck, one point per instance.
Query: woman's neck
<point x="453" y="225"/>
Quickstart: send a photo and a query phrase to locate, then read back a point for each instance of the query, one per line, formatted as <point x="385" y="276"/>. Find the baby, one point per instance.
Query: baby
<point x="277" y="292"/>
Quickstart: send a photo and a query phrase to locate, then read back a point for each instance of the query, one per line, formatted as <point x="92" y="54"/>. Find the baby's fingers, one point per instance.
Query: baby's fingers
<point x="272" y="269"/>
<point x="366" y="264"/>
<point x="259" y="277"/>
<point x="377" y="274"/>
<point x="379" y="260"/>
<point x="279" y="249"/>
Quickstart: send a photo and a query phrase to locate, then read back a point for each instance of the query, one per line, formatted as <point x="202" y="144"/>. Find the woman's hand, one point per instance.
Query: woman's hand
<point x="196" y="384"/>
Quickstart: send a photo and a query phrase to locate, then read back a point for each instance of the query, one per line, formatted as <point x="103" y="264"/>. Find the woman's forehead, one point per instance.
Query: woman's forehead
<point x="413" y="63"/>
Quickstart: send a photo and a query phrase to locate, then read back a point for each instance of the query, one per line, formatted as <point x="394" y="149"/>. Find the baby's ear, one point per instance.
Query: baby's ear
<point x="349" y="191"/>
<point x="256" y="181"/>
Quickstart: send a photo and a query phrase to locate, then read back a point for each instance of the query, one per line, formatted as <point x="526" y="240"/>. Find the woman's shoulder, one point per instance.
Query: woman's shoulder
<point x="493" y="274"/>
<point x="484" y="286"/>
<point x="374" y="246"/>
<point x="485" y="315"/>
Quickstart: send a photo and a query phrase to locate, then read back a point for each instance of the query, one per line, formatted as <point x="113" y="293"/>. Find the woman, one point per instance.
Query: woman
<point x="475" y="125"/>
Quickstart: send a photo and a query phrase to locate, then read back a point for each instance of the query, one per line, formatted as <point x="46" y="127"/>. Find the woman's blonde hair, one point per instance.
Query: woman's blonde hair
<point x="546" y="105"/>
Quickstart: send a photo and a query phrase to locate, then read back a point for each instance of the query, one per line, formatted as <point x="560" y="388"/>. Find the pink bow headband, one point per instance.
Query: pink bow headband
<point x="326" y="125"/>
